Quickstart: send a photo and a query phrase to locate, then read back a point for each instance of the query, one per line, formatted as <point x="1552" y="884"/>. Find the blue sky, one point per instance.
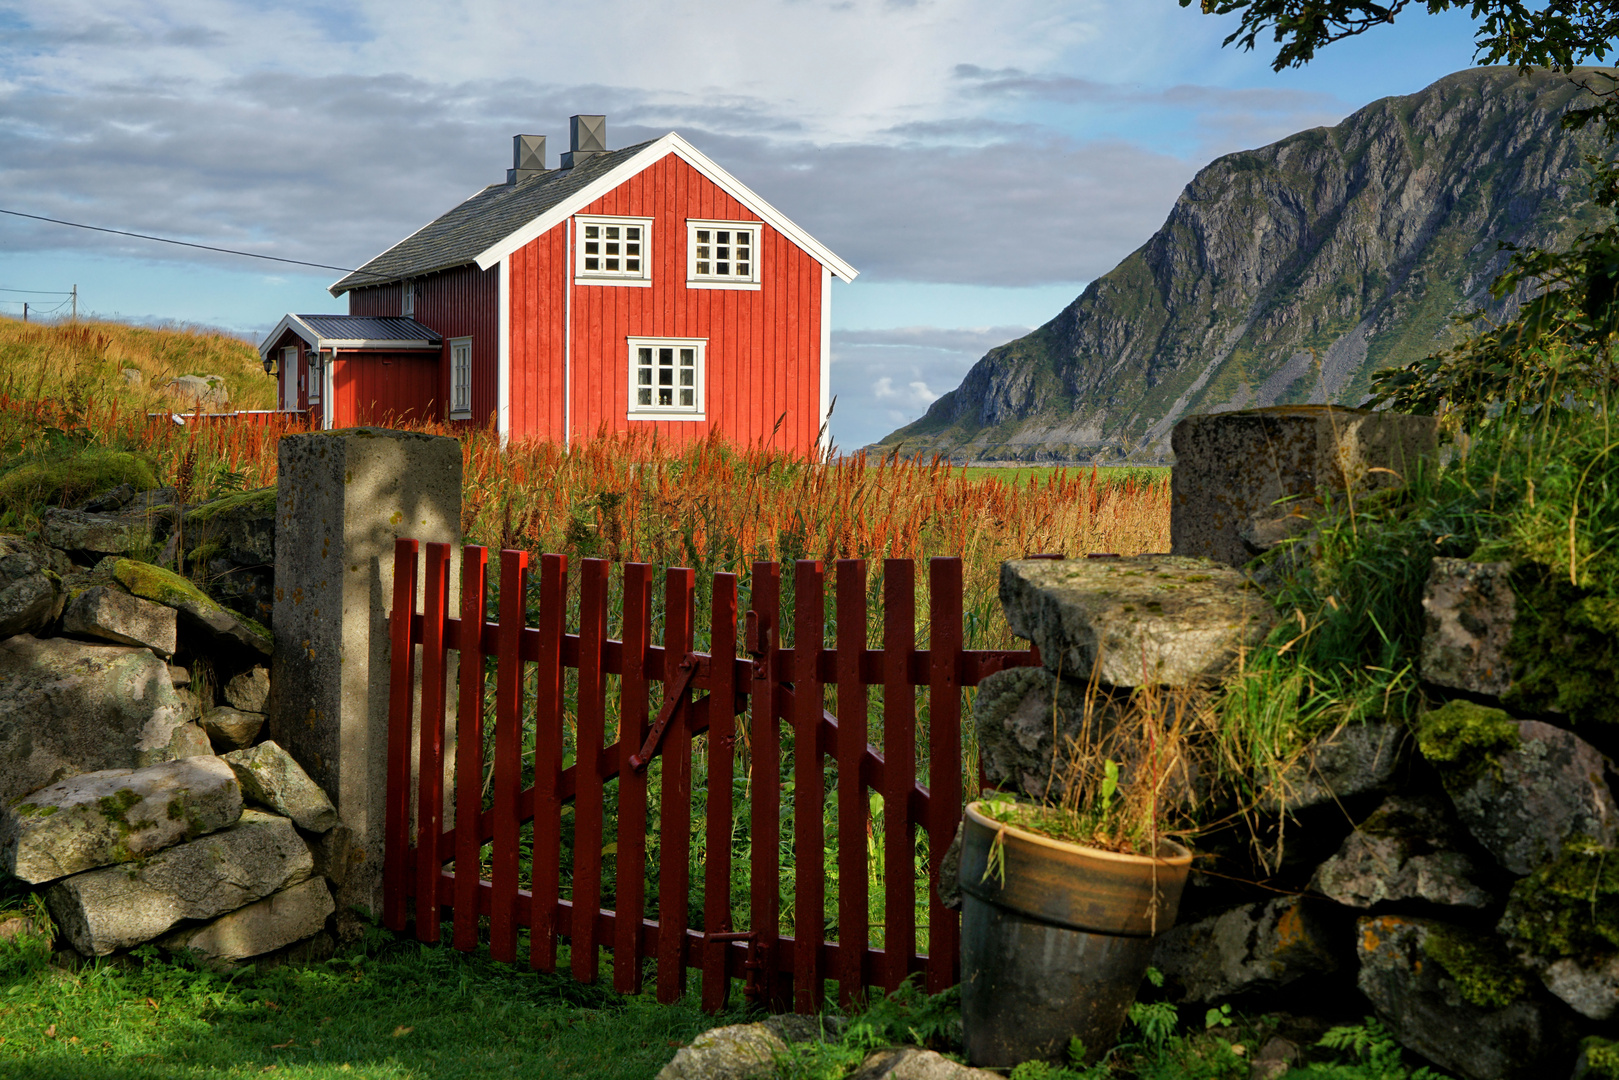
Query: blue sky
<point x="977" y="160"/>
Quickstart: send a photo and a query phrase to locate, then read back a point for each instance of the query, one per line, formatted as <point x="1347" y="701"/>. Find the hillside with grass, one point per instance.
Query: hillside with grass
<point x="1288" y="274"/>
<point x="132" y="365"/>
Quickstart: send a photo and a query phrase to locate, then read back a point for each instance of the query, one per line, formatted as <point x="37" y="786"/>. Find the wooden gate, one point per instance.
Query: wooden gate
<point x="749" y="698"/>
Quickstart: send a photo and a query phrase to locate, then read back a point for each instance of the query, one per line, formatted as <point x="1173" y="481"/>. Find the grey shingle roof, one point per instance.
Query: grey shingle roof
<point x="369" y="328"/>
<point x="494" y="213"/>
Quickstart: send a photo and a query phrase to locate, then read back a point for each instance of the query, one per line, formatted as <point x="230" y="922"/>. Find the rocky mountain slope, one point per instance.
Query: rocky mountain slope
<point x="1286" y="274"/>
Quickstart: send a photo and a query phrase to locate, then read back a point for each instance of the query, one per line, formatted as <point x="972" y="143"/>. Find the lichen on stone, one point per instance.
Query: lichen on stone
<point x="1601" y="1058"/>
<point x="1465" y="742"/>
<point x="260" y="501"/>
<point x="1569" y="907"/>
<point x="1564" y="650"/>
<point x="1483" y="972"/>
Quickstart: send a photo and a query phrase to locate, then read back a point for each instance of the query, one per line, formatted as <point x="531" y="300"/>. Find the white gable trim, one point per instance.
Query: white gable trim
<point x="316" y="342"/>
<point x="297" y="326"/>
<point x="671" y="143"/>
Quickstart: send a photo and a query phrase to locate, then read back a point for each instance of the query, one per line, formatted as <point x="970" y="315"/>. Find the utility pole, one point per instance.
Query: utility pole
<point x="75" y="303"/>
<point x="25" y="311"/>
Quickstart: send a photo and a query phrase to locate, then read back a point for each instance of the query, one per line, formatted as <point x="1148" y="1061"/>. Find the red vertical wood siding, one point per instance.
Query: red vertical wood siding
<point x="378" y="388"/>
<point x="462" y="302"/>
<point x="763" y="357"/>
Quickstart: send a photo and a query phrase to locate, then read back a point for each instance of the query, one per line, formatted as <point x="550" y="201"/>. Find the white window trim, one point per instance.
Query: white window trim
<point x="581" y="276"/>
<point x="317" y="377"/>
<point x="748" y="284"/>
<point x="669" y="412"/>
<point x="464" y="411"/>
<point x="407" y="299"/>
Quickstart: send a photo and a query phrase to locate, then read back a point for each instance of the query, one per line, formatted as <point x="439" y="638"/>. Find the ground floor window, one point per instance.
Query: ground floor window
<point x="460" y="378"/>
<point x="314" y="377"/>
<point x="666" y="378"/>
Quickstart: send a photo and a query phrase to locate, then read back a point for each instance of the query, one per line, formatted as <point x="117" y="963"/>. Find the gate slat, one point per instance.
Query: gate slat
<point x="508" y="753"/>
<point x="721" y="756"/>
<point x="809" y="921"/>
<point x="852" y="806"/>
<point x="632" y="731"/>
<point x="546" y="842"/>
<point x="765" y="819"/>
<point x="674" y="802"/>
<point x="401" y="687"/>
<point x="430" y="757"/>
<point x="469" y="748"/>
<point x="587" y="804"/>
<point x="944" y="759"/>
<point x="899" y="773"/>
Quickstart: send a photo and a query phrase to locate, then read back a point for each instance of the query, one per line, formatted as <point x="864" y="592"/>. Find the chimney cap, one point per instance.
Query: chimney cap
<point x="587" y="135"/>
<point x="528" y="158"/>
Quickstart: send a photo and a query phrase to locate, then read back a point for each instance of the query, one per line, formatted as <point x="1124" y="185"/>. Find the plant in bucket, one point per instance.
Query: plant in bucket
<point x="1061" y="900"/>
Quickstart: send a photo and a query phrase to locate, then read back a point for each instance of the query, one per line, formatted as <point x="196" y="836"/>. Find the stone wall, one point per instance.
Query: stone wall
<point x="1457" y="876"/>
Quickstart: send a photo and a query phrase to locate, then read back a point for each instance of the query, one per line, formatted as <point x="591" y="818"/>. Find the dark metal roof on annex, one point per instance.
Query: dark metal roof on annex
<point x="458" y="237"/>
<point x="369" y="328"/>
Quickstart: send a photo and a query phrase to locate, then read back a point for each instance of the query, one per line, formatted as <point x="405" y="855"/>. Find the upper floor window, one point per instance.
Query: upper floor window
<point x="616" y="250"/>
<point x="666" y="378"/>
<point x="407" y="298"/>
<point x="461" y="378"/>
<point x="722" y="255"/>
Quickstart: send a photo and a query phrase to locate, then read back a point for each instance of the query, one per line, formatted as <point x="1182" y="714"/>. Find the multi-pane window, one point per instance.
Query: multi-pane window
<point x="666" y="377"/>
<point x="314" y="377"/>
<point x="722" y="254"/>
<point x="460" y="378"/>
<point x="614" y="248"/>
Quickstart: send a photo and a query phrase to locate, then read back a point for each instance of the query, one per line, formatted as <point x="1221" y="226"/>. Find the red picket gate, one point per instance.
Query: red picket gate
<point x="773" y="684"/>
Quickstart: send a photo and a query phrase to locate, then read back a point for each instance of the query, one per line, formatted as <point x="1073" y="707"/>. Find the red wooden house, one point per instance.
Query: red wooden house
<point x="633" y="287"/>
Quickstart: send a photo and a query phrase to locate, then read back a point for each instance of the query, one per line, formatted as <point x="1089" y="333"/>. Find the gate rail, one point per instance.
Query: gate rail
<point x="772" y="684"/>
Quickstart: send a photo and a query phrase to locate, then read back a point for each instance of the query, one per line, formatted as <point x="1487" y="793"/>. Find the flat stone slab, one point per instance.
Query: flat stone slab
<point x="270" y="777"/>
<point x="232" y="729"/>
<point x="914" y="1063"/>
<point x="115" y="816"/>
<point x="1163" y="620"/>
<point x="1467" y="613"/>
<point x="1232" y="468"/>
<point x="1521" y="787"/>
<point x="117" y="907"/>
<point x="198" y="609"/>
<point x="1406" y="850"/>
<point x="96" y="534"/>
<point x="743" y="1051"/>
<point x="115" y="616"/>
<point x="263" y="926"/>
<point x="67" y="707"/>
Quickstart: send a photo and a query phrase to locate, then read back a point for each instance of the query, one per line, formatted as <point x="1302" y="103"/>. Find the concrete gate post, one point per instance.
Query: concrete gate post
<point x="342" y="499"/>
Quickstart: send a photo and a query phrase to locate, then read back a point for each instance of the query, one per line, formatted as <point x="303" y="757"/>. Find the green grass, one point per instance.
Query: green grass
<point x="385" y="1008"/>
<point x="1023" y="476"/>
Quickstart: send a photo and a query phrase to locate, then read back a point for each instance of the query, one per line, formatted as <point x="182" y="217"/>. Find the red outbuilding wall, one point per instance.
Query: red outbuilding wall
<point x="463" y="302"/>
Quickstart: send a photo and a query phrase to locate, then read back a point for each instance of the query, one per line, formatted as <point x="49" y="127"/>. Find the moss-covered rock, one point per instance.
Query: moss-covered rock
<point x="76" y="478"/>
<point x="1563" y="920"/>
<point x="1564" y="650"/>
<point x="1483" y="972"/>
<point x="1465" y="741"/>
<point x="197" y="609"/>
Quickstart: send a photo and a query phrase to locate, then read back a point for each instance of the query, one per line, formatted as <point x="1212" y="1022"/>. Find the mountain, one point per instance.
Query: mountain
<point x="1287" y="274"/>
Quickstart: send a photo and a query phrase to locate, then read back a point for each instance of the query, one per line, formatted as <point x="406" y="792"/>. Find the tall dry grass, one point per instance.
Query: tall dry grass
<point x="44" y="360"/>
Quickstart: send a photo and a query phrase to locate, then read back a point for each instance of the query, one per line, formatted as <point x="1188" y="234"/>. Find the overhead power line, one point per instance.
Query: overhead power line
<point x="39" y="292"/>
<point x="187" y="243"/>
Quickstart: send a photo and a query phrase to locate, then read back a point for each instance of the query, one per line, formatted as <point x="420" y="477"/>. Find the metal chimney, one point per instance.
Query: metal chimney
<point x="587" y="135"/>
<point x="528" y="158"/>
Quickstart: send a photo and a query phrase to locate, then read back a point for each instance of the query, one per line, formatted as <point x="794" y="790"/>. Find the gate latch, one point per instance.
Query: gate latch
<point x="673" y="700"/>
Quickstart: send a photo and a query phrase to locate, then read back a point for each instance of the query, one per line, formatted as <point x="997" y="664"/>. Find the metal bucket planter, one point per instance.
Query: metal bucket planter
<point x="1056" y="940"/>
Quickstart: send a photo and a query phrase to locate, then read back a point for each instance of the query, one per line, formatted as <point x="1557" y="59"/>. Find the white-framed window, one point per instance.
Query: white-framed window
<point x="289" y="377"/>
<point x="315" y="375"/>
<point x="460" y="378"/>
<point x="666" y="378"/>
<point x="613" y="251"/>
<point x="722" y="254"/>
<point x="407" y="298"/>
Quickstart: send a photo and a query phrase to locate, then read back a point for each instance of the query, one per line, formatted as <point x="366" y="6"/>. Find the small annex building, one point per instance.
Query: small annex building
<point x="644" y="286"/>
